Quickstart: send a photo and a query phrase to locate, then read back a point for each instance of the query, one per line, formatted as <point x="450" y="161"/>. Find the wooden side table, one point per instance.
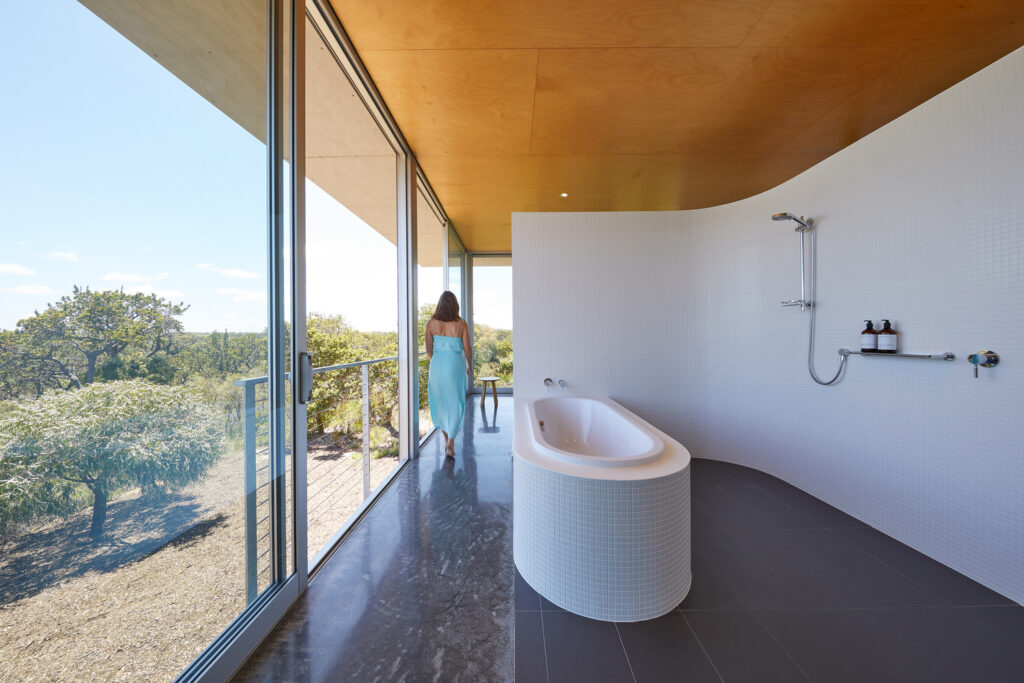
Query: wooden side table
<point x="494" y="389"/>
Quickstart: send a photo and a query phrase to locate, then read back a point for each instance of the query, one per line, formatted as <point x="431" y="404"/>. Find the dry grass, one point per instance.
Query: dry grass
<point x="167" y="579"/>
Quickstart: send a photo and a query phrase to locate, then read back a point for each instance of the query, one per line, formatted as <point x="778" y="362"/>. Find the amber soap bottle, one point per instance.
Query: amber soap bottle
<point x="869" y="338"/>
<point x="888" y="339"/>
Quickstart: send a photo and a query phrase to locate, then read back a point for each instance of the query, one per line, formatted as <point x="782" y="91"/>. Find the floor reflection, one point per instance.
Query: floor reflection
<point x="423" y="587"/>
<point x="489" y="427"/>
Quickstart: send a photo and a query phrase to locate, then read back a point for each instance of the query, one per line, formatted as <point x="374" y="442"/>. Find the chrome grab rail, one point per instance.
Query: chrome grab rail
<point x="948" y="355"/>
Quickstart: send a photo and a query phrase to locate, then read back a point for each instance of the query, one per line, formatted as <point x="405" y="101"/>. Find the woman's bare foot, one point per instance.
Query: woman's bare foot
<point x="449" y="448"/>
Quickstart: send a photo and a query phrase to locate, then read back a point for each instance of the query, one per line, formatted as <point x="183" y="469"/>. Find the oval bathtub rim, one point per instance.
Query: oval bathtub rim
<point x="545" y="448"/>
<point x="674" y="457"/>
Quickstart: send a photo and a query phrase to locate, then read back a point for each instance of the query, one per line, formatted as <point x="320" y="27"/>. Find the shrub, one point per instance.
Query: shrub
<point x="104" y="436"/>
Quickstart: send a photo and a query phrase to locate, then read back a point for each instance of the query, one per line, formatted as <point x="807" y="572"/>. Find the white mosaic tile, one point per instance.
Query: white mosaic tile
<point x="609" y="550"/>
<point x="676" y="315"/>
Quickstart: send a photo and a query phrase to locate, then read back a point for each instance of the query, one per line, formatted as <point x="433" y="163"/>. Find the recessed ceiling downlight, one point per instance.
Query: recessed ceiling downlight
<point x="565" y="194"/>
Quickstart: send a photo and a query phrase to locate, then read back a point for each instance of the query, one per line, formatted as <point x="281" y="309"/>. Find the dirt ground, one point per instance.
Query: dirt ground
<point x="166" y="580"/>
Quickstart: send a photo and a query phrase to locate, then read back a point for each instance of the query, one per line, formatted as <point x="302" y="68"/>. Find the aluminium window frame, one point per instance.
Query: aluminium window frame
<point x="226" y="654"/>
<point x="230" y="649"/>
<point x="461" y="248"/>
<point x="468" y="279"/>
<point x="422" y="185"/>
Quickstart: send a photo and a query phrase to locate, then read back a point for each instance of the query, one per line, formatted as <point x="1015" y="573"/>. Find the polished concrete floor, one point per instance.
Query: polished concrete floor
<point x="785" y="588"/>
<point x="422" y="589"/>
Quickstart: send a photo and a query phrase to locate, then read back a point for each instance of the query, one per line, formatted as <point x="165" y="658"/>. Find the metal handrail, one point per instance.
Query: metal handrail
<point x="251" y="419"/>
<point x="316" y="371"/>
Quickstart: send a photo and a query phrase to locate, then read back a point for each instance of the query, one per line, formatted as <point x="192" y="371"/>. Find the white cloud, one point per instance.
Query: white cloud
<point x="63" y="256"/>
<point x="244" y="295"/>
<point x="15" y="269"/>
<point x="30" y="289"/>
<point x="229" y="272"/>
<point x="148" y="288"/>
<point x="23" y="243"/>
<point x="133" y="277"/>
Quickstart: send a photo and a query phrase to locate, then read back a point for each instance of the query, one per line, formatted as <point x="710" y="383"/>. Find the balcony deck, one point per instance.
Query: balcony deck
<point x="785" y="588"/>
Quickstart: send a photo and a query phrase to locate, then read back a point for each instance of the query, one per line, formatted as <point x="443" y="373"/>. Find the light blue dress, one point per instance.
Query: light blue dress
<point x="446" y="385"/>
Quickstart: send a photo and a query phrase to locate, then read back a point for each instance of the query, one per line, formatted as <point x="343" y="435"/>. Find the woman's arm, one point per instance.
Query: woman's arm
<point x="467" y="347"/>
<point x="428" y="338"/>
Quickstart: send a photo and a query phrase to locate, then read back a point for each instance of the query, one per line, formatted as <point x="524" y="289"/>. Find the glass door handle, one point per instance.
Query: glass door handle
<point x="305" y="378"/>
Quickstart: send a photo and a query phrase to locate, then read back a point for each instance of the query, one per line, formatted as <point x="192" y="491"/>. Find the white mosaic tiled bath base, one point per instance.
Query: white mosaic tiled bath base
<point x="608" y="550"/>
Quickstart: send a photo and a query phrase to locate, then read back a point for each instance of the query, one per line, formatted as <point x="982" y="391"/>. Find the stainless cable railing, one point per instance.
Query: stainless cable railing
<point x="330" y="479"/>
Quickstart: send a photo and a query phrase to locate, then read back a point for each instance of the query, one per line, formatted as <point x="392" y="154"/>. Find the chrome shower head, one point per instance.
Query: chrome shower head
<point x="804" y="225"/>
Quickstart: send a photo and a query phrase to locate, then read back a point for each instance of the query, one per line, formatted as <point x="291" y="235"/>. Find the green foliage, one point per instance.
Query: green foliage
<point x="125" y="397"/>
<point x="104" y="436"/>
<point x="492" y="353"/>
<point x="66" y="344"/>
<point x="220" y="354"/>
<point x="26" y="496"/>
<point x="425" y="313"/>
<point x="330" y="341"/>
<point x="337" y="394"/>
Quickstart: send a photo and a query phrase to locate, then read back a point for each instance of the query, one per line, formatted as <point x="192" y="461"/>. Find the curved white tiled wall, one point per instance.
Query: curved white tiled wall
<point x="604" y="549"/>
<point x="676" y="315"/>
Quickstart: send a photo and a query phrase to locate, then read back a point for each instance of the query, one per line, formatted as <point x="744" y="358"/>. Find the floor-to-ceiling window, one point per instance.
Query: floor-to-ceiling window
<point x="142" y="481"/>
<point x="165" y="265"/>
<point x="352" y="176"/>
<point x="430" y="260"/>
<point x="492" y="316"/>
<point x="457" y="269"/>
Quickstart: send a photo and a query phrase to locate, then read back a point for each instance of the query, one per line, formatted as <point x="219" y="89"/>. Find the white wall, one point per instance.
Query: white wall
<point x="676" y="315"/>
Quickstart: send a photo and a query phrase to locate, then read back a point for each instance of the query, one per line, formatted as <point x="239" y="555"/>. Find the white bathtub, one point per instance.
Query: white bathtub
<point x="601" y="514"/>
<point x="587" y="431"/>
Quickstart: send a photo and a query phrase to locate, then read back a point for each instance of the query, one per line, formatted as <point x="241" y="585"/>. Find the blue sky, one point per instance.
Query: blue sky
<point x="118" y="174"/>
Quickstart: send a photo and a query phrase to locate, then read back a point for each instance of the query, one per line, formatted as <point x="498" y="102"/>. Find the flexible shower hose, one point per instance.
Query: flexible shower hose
<point x="814" y="308"/>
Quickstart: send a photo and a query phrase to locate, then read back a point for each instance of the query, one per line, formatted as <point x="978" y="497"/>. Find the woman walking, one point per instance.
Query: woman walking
<point x="447" y="339"/>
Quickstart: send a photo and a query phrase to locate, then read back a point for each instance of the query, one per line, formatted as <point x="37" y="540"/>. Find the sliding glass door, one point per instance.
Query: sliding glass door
<point x="144" y="405"/>
<point x="208" y="325"/>
<point x="457" y="270"/>
<point x="353" y="169"/>
<point x="430" y="272"/>
<point x="491" y="279"/>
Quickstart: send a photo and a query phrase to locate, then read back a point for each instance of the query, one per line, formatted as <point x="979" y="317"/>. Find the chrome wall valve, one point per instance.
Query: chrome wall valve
<point x="986" y="359"/>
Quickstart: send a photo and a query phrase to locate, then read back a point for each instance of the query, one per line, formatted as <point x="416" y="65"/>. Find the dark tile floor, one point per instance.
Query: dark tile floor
<point x="785" y="588"/>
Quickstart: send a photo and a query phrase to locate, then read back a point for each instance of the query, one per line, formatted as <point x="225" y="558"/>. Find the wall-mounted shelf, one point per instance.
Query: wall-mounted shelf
<point x="948" y="355"/>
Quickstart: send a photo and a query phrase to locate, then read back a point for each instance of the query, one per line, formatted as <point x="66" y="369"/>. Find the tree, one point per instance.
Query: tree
<point x="30" y="365"/>
<point x="492" y="352"/>
<point x="104" y="436"/>
<point x="330" y="341"/>
<point x="218" y="355"/>
<point x="63" y="346"/>
<point x="24" y="495"/>
<point x="337" y="394"/>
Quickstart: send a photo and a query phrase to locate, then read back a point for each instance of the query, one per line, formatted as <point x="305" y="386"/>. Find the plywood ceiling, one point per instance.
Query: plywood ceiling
<point x="219" y="50"/>
<point x="652" y="104"/>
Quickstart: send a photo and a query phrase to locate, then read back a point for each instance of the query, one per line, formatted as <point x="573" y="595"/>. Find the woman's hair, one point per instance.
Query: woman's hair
<point x="447" y="308"/>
